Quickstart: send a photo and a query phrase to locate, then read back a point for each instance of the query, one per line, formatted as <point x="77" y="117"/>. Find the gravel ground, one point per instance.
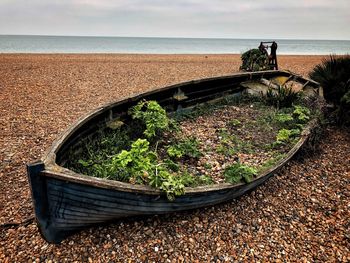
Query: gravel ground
<point x="252" y="137"/>
<point x="302" y="214"/>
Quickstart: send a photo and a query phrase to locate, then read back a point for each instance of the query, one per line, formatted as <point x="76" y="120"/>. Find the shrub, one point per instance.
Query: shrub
<point x="174" y="184"/>
<point x="254" y="60"/>
<point x="285" y="135"/>
<point x="139" y="162"/>
<point x="174" y="151"/>
<point x="152" y="115"/>
<point x="171" y="184"/>
<point x="140" y="165"/>
<point x="284" y="118"/>
<point x="333" y="75"/>
<point x="236" y="172"/>
<point x="301" y="113"/>
<point x="95" y="151"/>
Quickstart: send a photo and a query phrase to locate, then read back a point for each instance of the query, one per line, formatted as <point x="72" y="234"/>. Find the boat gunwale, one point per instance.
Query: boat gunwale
<point x="52" y="169"/>
<point x="58" y="172"/>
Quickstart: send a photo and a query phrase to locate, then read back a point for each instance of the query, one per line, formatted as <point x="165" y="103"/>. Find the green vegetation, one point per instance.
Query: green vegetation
<point x="234" y="123"/>
<point x="135" y="165"/>
<point x="271" y="162"/>
<point x="93" y="156"/>
<point x="152" y="115"/>
<point x="113" y="155"/>
<point x="283" y="97"/>
<point x="285" y="136"/>
<point x="293" y="123"/>
<point x="238" y="172"/>
<point x="288" y="121"/>
<point x="171" y="165"/>
<point x="254" y="60"/>
<point x="226" y="146"/>
<point x="170" y="184"/>
<point x="207" y="166"/>
<point x="333" y="75"/>
<point x="187" y="147"/>
<point x="284" y="118"/>
<point x="231" y="143"/>
<point x="151" y="150"/>
<point x="301" y="113"/>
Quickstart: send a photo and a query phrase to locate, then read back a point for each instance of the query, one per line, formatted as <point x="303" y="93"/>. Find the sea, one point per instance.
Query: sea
<point x="157" y="45"/>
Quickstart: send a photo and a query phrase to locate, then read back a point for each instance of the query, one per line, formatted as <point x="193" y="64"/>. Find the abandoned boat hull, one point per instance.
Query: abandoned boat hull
<point x="62" y="207"/>
<point x="65" y="201"/>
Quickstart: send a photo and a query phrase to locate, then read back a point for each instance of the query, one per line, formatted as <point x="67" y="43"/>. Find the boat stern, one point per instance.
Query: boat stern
<point x="38" y="187"/>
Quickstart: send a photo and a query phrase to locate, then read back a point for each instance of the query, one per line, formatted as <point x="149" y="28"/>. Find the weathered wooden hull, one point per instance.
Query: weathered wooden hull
<point x="73" y="206"/>
<point x="65" y="201"/>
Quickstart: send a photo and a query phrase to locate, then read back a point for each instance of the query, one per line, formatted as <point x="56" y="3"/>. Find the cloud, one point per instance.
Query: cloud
<point x="187" y="18"/>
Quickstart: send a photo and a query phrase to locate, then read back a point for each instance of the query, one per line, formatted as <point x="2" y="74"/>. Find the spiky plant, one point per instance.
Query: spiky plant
<point x="282" y="97"/>
<point x="334" y="76"/>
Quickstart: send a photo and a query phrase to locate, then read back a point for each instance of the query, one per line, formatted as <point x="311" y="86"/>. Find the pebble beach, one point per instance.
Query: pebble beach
<point x="300" y="215"/>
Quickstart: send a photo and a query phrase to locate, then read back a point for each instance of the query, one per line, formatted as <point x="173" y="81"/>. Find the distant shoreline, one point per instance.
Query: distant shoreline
<point x="153" y="54"/>
<point x="158" y="37"/>
<point x="156" y="54"/>
<point x="176" y="46"/>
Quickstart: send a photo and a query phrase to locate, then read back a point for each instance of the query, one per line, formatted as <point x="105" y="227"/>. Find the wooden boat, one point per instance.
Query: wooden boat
<point x="65" y="201"/>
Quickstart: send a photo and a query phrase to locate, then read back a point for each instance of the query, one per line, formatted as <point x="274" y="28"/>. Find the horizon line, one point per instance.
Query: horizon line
<point x="173" y="37"/>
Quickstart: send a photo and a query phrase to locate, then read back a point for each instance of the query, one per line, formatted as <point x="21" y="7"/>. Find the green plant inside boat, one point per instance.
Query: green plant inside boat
<point x="229" y="141"/>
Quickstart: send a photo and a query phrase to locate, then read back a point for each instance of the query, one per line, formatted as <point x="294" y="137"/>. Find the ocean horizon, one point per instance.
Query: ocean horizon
<point x="161" y="45"/>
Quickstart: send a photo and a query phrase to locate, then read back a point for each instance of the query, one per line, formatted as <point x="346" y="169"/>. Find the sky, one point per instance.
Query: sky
<point x="274" y="19"/>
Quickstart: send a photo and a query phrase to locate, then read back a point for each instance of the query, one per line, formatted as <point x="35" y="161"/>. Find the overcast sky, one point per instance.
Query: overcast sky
<point x="296" y="19"/>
